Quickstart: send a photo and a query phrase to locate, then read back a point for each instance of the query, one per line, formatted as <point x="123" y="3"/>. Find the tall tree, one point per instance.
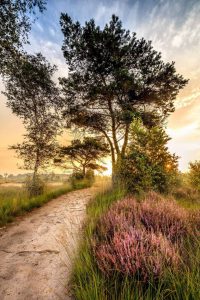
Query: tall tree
<point x="15" y="23"/>
<point x="30" y="93"/>
<point x="82" y="156"/>
<point x="152" y="142"/>
<point x="148" y="163"/>
<point x="113" y="76"/>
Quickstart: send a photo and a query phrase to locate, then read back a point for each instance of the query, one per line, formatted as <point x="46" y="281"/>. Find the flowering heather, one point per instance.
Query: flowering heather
<point x="136" y="252"/>
<point x="165" y="216"/>
<point x="120" y="218"/>
<point x="140" y="239"/>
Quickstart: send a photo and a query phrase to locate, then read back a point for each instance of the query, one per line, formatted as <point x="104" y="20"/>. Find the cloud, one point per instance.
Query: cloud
<point x="39" y="27"/>
<point x="52" y="31"/>
<point x="188" y="100"/>
<point x="52" y="51"/>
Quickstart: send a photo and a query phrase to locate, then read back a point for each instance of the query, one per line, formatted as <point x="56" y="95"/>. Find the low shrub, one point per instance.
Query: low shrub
<point x="98" y="276"/>
<point x="90" y="176"/>
<point x="166" y="216"/>
<point x="140" y="239"/>
<point x="186" y="193"/>
<point x="136" y="252"/>
<point x="34" y="187"/>
<point x="78" y="181"/>
<point x="194" y="175"/>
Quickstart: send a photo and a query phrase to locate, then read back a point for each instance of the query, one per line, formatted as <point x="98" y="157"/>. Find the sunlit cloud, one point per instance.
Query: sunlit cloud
<point x="188" y="100"/>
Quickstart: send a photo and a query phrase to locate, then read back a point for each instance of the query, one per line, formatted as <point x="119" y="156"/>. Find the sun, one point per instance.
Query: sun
<point x="108" y="165"/>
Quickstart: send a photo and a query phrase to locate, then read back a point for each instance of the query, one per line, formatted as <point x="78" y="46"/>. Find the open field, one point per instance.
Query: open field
<point x="18" y="184"/>
<point x="15" y="201"/>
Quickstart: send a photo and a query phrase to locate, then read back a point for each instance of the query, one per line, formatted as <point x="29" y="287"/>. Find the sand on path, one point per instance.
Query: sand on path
<point x="37" y="250"/>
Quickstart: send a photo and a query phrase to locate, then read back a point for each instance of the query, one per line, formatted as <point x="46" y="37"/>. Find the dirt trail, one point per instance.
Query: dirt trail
<point x="36" y="251"/>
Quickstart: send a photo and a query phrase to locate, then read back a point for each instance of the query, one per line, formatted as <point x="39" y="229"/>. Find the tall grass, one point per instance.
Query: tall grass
<point x="187" y="197"/>
<point x="14" y="201"/>
<point x="90" y="283"/>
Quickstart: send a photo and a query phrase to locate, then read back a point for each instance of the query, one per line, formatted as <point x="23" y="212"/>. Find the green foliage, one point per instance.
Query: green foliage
<point x="16" y="18"/>
<point x="78" y="180"/>
<point x="34" y="187"/>
<point x="136" y="172"/>
<point x="148" y="163"/>
<point x="113" y="76"/>
<point x="186" y="194"/>
<point x="194" y="175"/>
<point x="83" y="156"/>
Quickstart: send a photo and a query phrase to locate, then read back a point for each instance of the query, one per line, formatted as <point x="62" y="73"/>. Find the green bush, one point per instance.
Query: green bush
<point x="34" y="187"/>
<point x="90" y="176"/>
<point x="194" y="175"/>
<point x="139" y="174"/>
<point x="78" y="181"/>
<point x="148" y="164"/>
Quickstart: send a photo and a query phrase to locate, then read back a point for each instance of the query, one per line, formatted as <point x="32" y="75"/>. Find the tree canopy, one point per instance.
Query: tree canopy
<point x="15" y="23"/>
<point x="82" y="156"/>
<point x="149" y="163"/>
<point x="152" y="143"/>
<point x="113" y="77"/>
<point x="31" y="92"/>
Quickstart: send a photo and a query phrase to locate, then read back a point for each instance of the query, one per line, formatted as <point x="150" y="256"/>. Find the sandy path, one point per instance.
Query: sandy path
<point x="36" y="251"/>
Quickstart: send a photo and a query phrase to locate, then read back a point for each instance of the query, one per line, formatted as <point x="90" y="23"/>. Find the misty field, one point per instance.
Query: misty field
<point x="15" y="200"/>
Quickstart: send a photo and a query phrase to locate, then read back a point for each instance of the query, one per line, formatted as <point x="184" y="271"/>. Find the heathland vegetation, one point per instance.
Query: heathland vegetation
<point x="137" y="248"/>
<point x="142" y="234"/>
<point x="144" y="246"/>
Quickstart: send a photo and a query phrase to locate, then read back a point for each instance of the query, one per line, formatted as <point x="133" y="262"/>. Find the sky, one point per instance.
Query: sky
<point x="173" y="26"/>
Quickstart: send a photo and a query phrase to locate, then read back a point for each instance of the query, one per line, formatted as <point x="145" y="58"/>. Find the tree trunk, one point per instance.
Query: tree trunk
<point x="116" y="178"/>
<point x="36" y="167"/>
<point x="84" y="171"/>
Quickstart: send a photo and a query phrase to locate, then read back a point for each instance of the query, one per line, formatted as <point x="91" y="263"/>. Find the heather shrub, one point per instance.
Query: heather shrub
<point x="155" y="214"/>
<point x="194" y="219"/>
<point x="100" y="273"/>
<point x="136" y="252"/>
<point x="140" y="238"/>
<point x="165" y="216"/>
